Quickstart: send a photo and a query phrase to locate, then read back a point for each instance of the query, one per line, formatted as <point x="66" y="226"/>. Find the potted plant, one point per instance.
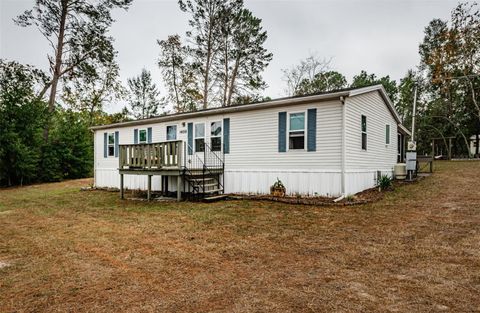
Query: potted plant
<point x="278" y="189"/>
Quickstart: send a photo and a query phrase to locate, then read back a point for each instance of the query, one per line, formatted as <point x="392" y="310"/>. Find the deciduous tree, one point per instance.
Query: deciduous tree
<point x="364" y="79"/>
<point x="304" y="72"/>
<point x="322" y="82"/>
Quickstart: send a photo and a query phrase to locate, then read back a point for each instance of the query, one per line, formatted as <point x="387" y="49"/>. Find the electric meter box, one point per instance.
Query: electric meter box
<point x="411" y="161"/>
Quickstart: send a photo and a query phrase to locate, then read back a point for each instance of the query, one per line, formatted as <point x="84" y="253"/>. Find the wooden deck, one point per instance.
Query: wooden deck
<point x="165" y="159"/>
<point x="152" y="156"/>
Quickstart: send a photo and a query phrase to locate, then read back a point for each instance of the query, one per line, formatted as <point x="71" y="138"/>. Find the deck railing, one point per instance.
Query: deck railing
<point x="151" y="155"/>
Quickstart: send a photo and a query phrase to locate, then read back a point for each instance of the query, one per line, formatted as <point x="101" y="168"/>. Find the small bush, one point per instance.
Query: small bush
<point x="278" y="189"/>
<point x="384" y="182"/>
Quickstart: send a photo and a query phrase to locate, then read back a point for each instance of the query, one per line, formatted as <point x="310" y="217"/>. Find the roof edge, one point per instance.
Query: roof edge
<point x="230" y="109"/>
<point x="262" y="105"/>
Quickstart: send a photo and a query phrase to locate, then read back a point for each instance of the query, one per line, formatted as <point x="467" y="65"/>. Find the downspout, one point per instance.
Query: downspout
<point x="343" y="149"/>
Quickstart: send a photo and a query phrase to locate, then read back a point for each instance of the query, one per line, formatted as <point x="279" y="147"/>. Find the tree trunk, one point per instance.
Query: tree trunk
<point x="206" y="78"/>
<point x="474" y="98"/>
<point x="175" y="88"/>
<point x="208" y="61"/>
<point x="458" y="132"/>
<point x="57" y="69"/>
<point x="225" y="80"/>
<point x="232" y="81"/>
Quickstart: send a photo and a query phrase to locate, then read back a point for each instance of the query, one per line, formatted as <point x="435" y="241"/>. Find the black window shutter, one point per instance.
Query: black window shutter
<point x="105" y="145"/>
<point x="116" y="143"/>
<point x="311" y="129"/>
<point x="190" y="138"/>
<point x="282" y="131"/>
<point x="226" y="135"/>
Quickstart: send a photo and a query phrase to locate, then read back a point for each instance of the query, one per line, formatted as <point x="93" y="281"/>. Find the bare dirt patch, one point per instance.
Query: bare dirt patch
<point x="4" y="264"/>
<point x="414" y="250"/>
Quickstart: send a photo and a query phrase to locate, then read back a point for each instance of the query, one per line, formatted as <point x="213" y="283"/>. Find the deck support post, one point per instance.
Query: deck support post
<point x="179" y="192"/>
<point x="161" y="185"/>
<point x="149" y="187"/>
<point x="121" y="187"/>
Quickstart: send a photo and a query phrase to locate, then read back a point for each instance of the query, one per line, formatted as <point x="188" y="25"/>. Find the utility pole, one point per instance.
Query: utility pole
<point x="414" y="112"/>
<point x="412" y="145"/>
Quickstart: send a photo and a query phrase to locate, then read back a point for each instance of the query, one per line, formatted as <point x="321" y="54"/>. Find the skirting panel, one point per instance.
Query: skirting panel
<point x="296" y="182"/>
<point x="326" y="183"/>
<point x="357" y="181"/>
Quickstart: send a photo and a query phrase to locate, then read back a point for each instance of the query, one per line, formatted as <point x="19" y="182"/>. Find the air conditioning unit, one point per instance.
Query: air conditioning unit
<point x="400" y="171"/>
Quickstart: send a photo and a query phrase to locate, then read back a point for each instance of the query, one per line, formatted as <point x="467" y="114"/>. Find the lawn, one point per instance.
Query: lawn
<point x="416" y="250"/>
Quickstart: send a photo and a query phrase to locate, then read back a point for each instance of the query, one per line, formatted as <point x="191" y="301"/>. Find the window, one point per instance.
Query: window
<point x="111" y="144"/>
<point x="142" y="136"/>
<point x="216" y="136"/>
<point x="199" y="137"/>
<point x="364" y="132"/>
<point x="172" y="132"/>
<point x="296" y="134"/>
<point x="387" y="134"/>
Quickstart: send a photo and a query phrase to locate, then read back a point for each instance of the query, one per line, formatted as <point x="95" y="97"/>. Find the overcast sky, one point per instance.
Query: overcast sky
<point x="379" y="36"/>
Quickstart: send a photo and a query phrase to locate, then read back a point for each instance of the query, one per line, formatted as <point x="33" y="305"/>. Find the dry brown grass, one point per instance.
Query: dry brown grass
<point x="418" y="249"/>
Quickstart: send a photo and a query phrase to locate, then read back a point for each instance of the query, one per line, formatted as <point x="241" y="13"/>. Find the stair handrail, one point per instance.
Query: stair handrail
<point x="187" y="147"/>
<point x="221" y="160"/>
<point x="204" y="163"/>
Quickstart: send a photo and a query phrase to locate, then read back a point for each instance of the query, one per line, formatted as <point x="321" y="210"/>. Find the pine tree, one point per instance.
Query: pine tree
<point x="77" y="33"/>
<point x="144" y="97"/>
<point x="178" y="74"/>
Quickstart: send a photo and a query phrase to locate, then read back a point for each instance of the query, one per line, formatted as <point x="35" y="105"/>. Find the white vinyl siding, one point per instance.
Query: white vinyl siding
<point x="378" y="156"/>
<point x="253" y="151"/>
<point x="254" y="162"/>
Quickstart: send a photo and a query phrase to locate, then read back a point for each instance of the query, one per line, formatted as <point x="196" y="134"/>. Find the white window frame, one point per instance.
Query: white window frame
<point x="304" y="130"/>
<point x="363" y="132"/>
<point x="110" y="145"/>
<point x="176" y="132"/>
<point x="195" y="136"/>
<point x="146" y="135"/>
<point x="216" y="136"/>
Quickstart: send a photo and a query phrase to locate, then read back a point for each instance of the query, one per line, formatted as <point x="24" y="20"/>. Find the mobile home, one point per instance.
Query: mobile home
<point x="327" y="144"/>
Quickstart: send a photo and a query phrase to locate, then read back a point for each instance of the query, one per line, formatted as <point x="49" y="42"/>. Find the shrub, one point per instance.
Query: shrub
<point x="384" y="182"/>
<point x="278" y="188"/>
